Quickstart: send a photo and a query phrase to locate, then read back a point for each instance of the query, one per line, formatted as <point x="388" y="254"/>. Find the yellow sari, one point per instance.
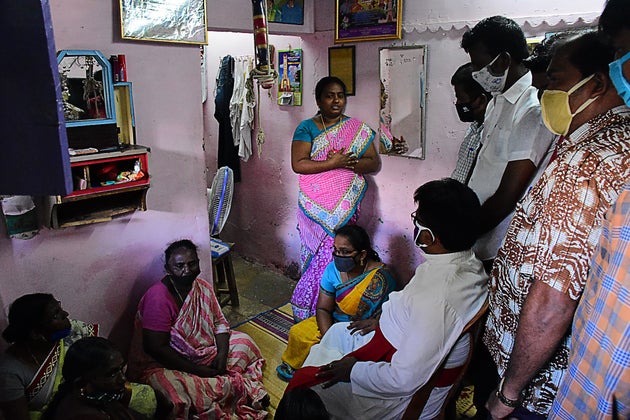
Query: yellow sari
<point x="357" y="298"/>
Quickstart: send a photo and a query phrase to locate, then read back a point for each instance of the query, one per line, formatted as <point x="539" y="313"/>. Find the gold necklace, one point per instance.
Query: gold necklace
<point x="176" y="291"/>
<point x="321" y="117"/>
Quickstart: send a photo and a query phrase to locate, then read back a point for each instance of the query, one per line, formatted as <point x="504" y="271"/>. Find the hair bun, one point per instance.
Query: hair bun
<point x="10" y="334"/>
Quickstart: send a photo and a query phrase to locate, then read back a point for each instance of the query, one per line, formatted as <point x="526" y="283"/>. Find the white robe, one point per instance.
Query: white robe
<point x="423" y="322"/>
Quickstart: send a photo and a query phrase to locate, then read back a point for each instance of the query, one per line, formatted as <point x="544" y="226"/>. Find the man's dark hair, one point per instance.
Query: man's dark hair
<point x="497" y="34"/>
<point x="539" y="60"/>
<point x="451" y="210"/>
<point x="463" y="77"/>
<point x="588" y="53"/>
<point x="301" y="403"/>
<point x="615" y="17"/>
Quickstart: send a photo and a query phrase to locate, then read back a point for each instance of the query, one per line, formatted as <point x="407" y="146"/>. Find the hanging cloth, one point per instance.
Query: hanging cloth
<point x="242" y="106"/>
<point x="227" y="154"/>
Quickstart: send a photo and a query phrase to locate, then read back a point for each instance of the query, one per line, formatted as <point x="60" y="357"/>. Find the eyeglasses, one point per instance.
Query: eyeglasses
<point x="343" y="252"/>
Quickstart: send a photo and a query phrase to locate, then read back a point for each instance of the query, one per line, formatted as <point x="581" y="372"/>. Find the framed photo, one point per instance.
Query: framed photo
<point x="367" y="20"/>
<point x="182" y="21"/>
<point x="341" y="65"/>
<point x="285" y="11"/>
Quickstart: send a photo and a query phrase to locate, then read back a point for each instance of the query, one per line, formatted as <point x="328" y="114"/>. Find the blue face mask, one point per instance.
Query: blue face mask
<point x="616" y="75"/>
<point x="344" y="264"/>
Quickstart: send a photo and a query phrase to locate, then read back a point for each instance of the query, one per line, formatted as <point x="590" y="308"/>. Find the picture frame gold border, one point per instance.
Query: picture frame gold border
<point x="338" y="62"/>
<point x="376" y="37"/>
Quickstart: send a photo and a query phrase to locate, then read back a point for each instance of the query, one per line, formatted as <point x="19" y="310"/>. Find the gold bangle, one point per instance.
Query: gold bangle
<point x="505" y="400"/>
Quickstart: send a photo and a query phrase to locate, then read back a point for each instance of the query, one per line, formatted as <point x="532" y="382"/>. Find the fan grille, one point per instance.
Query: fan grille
<point x="220" y="199"/>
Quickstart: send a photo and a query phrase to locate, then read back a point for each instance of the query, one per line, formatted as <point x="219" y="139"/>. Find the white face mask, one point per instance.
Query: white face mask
<point x="488" y="81"/>
<point x="418" y="229"/>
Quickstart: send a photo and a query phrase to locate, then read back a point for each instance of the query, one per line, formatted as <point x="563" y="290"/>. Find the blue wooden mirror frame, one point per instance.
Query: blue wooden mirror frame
<point x="108" y="87"/>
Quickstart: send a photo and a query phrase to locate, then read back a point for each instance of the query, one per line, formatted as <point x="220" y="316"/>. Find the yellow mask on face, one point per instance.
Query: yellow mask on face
<point x="556" y="112"/>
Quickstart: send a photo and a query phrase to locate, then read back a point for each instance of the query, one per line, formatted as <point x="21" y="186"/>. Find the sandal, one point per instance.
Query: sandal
<point x="285" y="372"/>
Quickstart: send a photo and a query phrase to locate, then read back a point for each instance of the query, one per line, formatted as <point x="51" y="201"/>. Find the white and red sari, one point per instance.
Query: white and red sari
<point x="232" y="395"/>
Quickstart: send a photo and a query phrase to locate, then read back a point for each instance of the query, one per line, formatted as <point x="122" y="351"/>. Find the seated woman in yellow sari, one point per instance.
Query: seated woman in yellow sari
<point x="40" y="332"/>
<point x="353" y="287"/>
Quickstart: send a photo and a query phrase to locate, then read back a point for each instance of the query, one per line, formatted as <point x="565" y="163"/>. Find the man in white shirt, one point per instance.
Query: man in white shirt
<point x="418" y="326"/>
<point x="514" y="138"/>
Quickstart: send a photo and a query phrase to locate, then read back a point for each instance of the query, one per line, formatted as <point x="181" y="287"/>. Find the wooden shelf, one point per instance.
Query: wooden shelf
<point x="98" y="195"/>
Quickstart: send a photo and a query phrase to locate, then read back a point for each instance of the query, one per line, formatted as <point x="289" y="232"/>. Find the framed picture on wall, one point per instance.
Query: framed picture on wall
<point x="182" y="21"/>
<point x="285" y="11"/>
<point x="341" y="65"/>
<point x="367" y="20"/>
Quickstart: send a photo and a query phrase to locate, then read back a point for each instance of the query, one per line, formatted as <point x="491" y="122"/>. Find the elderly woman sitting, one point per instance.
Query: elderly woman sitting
<point x="183" y="346"/>
<point x="40" y="332"/>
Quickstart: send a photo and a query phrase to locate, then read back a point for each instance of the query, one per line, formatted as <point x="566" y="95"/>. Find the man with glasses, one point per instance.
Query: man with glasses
<point x="418" y="326"/>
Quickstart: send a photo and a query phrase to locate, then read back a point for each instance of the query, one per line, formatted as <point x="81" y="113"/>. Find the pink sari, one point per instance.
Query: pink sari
<point x="327" y="201"/>
<point x="228" y="396"/>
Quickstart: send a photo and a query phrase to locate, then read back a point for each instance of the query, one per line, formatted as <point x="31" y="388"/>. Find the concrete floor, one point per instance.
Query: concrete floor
<point x="259" y="290"/>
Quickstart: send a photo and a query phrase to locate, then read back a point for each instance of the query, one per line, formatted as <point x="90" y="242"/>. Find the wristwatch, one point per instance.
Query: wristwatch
<point x="505" y="400"/>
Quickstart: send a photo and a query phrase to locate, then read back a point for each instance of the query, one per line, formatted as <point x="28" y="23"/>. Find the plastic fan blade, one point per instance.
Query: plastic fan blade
<point x="220" y="200"/>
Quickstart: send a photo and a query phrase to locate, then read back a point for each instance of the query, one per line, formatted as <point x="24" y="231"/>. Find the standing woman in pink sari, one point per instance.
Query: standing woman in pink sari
<point x="330" y="152"/>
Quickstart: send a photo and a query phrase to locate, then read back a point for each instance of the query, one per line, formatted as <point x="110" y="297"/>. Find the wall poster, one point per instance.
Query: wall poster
<point x="290" y="77"/>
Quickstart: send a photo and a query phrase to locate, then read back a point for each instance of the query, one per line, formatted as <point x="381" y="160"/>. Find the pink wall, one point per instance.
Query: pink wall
<point x="100" y="271"/>
<point x="262" y="220"/>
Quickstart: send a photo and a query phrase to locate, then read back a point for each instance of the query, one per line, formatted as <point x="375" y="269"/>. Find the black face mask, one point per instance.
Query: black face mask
<point x="344" y="264"/>
<point x="465" y="112"/>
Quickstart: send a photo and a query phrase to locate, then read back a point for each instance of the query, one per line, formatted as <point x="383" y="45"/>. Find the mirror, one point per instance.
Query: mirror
<point x="86" y="88"/>
<point x="403" y="81"/>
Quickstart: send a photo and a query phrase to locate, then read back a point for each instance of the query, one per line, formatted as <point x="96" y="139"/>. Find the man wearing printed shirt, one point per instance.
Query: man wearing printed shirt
<point x="541" y="268"/>
<point x="597" y="382"/>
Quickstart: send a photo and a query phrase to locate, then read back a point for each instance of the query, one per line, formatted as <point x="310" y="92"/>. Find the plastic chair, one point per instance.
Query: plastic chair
<point x="446" y="377"/>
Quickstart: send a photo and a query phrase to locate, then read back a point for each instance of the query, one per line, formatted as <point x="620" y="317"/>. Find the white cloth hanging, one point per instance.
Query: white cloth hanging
<point x="242" y="106"/>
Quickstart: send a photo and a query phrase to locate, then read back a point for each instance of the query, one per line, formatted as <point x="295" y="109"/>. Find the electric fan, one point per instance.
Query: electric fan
<point x="220" y="199"/>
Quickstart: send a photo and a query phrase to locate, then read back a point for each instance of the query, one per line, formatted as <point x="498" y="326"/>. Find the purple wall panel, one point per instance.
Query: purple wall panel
<point x="33" y="146"/>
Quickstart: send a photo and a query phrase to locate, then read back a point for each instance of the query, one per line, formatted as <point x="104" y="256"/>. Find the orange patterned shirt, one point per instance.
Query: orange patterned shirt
<point x="553" y="235"/>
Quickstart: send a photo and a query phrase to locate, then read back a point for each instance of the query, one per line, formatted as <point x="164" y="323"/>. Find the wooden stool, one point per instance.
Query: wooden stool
<point x="223" y="272"/>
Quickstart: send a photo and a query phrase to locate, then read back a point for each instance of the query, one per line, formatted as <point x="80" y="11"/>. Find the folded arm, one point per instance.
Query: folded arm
<point x="301" y="161"/>
<point x="428" y="340"/>
<point x="157" y="345"/>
